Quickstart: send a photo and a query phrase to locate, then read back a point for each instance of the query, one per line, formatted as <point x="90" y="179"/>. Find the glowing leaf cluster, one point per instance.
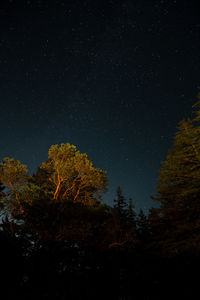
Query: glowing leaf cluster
<point x="74" y="175"/>
<point x="14" y="176"/>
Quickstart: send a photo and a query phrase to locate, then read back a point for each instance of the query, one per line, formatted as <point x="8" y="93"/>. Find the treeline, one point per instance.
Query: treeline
<point x="58" y="241"/>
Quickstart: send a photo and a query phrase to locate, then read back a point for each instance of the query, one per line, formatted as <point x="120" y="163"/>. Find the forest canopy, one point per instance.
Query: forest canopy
<point x="66" y="175"/>
<point x="60" y="228"/>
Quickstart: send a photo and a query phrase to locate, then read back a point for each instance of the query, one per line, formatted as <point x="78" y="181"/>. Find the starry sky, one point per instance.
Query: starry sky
<point x="112" y="77"/>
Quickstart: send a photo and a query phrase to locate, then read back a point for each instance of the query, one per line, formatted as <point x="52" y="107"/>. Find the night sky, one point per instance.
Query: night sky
<point x="113" y="78"/>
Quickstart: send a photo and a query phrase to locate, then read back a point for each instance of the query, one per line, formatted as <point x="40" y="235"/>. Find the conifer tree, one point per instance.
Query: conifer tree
<point x="179" y="188"/>
<point x="131" y="215"/>
<point x="142" y="226"/>
<point x="124" y="230"/>
<point x="120" y="204"/>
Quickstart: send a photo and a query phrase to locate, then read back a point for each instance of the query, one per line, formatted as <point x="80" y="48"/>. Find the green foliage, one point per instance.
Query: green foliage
<point x="74" y="176"/>
<point x="180" y="174"/>
<point x="32" y="193"/>
<point x="13" y="173"/>
<point x="67" y="175"/>
<point x="41" y="179"/>
<point x="179" y="189"/>
<point x="14" y="177"/>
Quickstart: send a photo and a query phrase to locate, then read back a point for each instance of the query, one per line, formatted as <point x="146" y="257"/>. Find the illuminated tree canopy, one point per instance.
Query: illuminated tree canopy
<point x="180" y="174"/>
<point x="73" y="175"/>
<point x="14" y="177"/>
<point x="179" y="189"/>
<point x="66" y="175"/>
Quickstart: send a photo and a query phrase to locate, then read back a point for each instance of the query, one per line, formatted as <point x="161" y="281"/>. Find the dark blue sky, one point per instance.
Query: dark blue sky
<point x="113" y="78"/>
